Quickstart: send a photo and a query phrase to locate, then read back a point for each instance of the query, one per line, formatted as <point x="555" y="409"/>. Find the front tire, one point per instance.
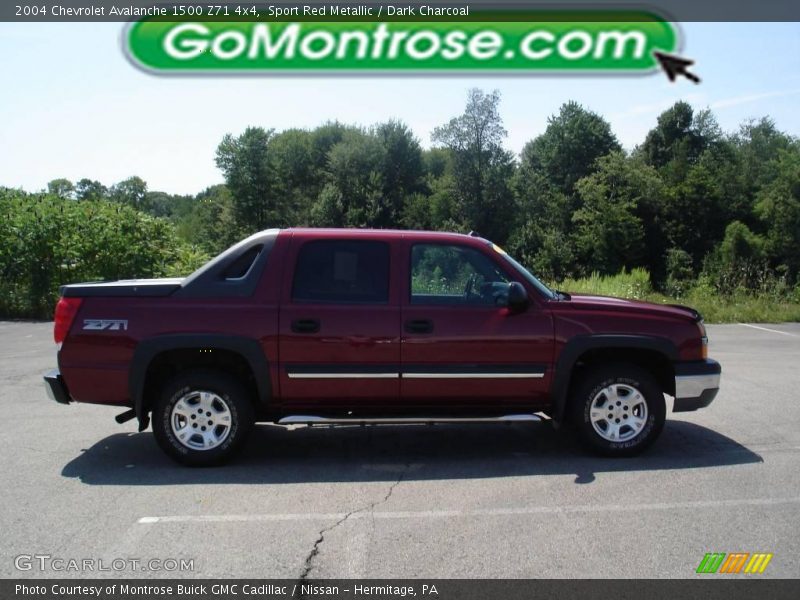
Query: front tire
<point x="202" y="417"/>
<point x="618" y="410"/>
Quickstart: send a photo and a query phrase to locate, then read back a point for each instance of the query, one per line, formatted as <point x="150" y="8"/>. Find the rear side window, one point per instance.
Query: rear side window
<point x="344" y="272"/>
<point x="242" y="265"/>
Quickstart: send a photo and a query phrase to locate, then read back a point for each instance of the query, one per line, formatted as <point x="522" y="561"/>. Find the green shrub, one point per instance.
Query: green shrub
<point x="47" y="241"/>
<point x="738" y="262"/>
<point x="679" y="272"/>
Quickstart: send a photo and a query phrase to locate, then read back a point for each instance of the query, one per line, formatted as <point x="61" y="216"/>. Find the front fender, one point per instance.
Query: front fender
<point x="579" y="345"/>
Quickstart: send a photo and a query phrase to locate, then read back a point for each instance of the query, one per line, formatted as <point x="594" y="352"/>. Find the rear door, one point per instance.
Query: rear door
<point x="460" y="348"/>
<point x="339" y="344"/>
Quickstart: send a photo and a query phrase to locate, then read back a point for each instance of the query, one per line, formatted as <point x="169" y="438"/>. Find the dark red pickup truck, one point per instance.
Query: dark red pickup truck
<point x="356" y="326"/>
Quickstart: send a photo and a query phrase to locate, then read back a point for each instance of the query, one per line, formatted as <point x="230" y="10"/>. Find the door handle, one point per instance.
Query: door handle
<point x="305" y="326"/>
<point x="419" y="326"/>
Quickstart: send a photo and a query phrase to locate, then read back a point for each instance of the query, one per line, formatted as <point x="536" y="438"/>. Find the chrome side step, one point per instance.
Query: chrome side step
<point x="312" y="420"/>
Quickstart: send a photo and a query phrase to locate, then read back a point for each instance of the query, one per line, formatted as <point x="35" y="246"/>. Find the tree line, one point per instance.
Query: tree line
<point x="690" y="204"/>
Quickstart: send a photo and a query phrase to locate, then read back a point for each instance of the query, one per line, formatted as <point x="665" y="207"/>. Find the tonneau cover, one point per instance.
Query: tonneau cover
<point x="150" y="288"/>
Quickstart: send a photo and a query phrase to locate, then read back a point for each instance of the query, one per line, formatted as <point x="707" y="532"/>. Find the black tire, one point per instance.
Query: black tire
<point x="222" y="395"/>
<point x="635" y="428"/>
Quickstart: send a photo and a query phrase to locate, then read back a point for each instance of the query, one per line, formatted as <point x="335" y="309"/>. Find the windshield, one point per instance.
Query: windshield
<point x="546" y="291"/>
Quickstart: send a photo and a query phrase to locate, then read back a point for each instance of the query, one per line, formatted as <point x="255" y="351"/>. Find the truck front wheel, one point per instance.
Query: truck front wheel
<point x="618" y="409"/>
<point x="202" y="417"/>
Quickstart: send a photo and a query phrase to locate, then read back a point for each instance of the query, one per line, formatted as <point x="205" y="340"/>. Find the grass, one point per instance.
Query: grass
<point x="633" y="284"/>
<point x="739" y="307"/>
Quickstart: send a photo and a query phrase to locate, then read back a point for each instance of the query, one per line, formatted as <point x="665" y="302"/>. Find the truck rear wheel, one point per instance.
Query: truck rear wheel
<point x="618" y="410"/>
<point x="202" y="417"/>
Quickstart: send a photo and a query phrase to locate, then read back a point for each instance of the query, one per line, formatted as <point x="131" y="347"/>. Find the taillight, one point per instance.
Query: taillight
<point x="703" y="339"/>
<point x="66" y="309"/>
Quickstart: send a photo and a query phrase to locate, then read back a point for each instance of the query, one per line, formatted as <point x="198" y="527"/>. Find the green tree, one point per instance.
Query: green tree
<point x="131" y="191"/>
<point x="323" y="138"/>
<point x="174" y="207"/>
<point x="329" y="210"/>
<point x="759" y="144"/>
<point x="249" y="172"/>
<point x="63" y="188"/>
<point x="674" y="138"/>
<point x="693" y="215"/>
<point x="436" y="162"/>
<point x="433" y="206"/>
<point x="567" y="150"/>
<point x="482" y="168"/>
<point x="778" y="206"/>
<point x="298" y="180"/>
<point x="752" y="164"/>
<point x="609" y="235"/>
<point x="402" y="169"/>
<point x="540" y="238"/>
<point x="211" y="224"/>
<point x="353" y="196"/>
<point x="548" y="252"/>
<point x="87" y="189"/>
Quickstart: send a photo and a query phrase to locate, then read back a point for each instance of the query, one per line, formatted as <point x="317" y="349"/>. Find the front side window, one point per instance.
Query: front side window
<point x="450" y="274"/>
<point x="342" y="271"/>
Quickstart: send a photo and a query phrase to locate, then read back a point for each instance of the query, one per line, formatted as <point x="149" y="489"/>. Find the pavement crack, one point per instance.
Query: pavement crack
<point x="308" y="565"/>
<point x="309" y="562"/>
<point x="390" y="491"/>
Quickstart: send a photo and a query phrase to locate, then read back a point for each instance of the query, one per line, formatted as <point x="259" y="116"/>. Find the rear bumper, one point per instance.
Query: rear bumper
<point x="56" y="388"/>
<point x="696" y="384"/>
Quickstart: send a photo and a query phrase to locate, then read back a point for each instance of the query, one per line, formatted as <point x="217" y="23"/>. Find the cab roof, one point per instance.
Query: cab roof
<point x="309" y="232"/>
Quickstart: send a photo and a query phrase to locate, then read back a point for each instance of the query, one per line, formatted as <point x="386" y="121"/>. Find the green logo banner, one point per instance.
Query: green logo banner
<point x="392" y="47"/>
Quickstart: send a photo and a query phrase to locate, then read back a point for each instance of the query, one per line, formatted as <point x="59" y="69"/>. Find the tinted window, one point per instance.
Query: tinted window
<point x="240" y="267"/>
<point x="443" y="274"/>
<point x="342" y="271"/>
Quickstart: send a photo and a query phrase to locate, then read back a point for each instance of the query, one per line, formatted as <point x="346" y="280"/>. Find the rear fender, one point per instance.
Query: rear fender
<point x="146" y="351"/>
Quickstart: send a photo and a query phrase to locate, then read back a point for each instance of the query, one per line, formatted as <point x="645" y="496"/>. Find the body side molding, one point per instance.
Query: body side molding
<point x="416" y="371"/>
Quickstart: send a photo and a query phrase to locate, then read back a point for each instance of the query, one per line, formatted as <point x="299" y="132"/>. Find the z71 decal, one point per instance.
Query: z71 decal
<point x="105" y="325"/>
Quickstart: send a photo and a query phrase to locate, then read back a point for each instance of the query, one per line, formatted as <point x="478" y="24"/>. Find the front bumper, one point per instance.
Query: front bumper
<point x="56" y="388"/>
<point x="696" y="384"/>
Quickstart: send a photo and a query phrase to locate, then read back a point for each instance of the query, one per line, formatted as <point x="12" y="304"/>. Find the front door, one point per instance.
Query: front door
<point x="339" y="325"/>
<point x="461" y="348"/>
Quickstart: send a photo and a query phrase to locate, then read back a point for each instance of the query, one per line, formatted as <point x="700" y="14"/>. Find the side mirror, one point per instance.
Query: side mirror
<point x="518" y="300"/>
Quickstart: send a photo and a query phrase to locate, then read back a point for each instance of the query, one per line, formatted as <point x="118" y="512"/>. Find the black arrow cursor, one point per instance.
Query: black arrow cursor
<point x="675" y="65"/>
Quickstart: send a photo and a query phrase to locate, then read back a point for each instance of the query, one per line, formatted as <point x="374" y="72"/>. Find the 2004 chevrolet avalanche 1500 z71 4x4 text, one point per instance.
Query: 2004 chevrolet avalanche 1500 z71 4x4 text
<point x="358" y="326"/>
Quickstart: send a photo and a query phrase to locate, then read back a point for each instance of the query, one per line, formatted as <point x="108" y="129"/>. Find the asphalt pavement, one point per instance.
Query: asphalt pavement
<point x="510" y="500"/>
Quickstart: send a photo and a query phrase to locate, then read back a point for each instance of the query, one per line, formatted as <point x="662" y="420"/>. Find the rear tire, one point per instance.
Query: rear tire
<point x="618" y="410"/>
<point x="202" y="417"/>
